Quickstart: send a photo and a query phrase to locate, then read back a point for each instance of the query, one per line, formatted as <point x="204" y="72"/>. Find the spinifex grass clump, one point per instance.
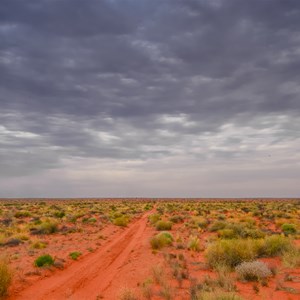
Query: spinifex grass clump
<point x="161" y="240"/>
<point x="231" y="253"/>
<point x="5" y="278"/>
<point x="194" y="244"/>
<point x="121" y="221"/>
<point x="163" y="225"/>
<point x="253" y="271"/>
<point x="275" y="245"/>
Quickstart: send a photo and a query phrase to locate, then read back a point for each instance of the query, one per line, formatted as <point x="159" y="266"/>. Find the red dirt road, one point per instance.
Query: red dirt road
<point x="90" y="277"/>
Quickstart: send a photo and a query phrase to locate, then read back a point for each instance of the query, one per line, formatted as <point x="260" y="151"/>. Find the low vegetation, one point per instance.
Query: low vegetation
<point x="44" y="260"/>
<point x="253" y="271"/>
<point x="219" y="242"/>
<point x="5" y="277"/>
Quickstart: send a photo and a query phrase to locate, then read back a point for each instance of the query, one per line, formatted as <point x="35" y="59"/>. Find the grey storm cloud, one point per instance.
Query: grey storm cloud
<point x="158" y="83"/>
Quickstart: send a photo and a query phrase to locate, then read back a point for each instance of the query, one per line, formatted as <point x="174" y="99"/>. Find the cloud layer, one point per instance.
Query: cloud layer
<point x="191" y="98"/>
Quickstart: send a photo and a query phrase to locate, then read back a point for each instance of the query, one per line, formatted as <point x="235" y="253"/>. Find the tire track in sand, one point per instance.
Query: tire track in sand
<point x="90" y="277"/>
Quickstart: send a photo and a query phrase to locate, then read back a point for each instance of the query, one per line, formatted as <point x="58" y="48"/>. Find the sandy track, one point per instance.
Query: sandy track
<point x="91" y="276"/>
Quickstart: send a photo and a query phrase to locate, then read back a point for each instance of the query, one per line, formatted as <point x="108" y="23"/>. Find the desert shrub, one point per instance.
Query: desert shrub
<point x="47" y="227"/>
<point x="218" y="225"/>
<point x="161" y="240"/>
<point x="59" y="214"/>
<point x="38" y="245"/>
<point x="167" y="291"/>
<point x="218" y="296"/>
<point x="158" y="274"/>
<point x="288" y="229"/>
<point x="5" y="278"/>
<point x="194" y="244"/>
<point x="154" y="218"/>
<point x="147" y="289"/>
<point x="121" y="221"/>
<point x="224" y="280"/>
<point x="275" y="245"/>
<point x="176" y="219"/>
<point x="44" y="260"/>
<point x="200" y="221"/>
<point x="127" y="294"/>
<point x="232" y="252"/>
<point x="254" y="234"/>
<point x="227" y="233"/>
<point x="253" y="271"/>
<point x="12" y="242"/>
<point x="163" y="225"/>
<point x="22" y="214"/>
<point x="74" y="255"/>
<point x="291" y="257"/>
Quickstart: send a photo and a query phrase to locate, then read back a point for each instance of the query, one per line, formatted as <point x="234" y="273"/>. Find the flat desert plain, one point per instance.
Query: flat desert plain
<point x="128" y="249"/>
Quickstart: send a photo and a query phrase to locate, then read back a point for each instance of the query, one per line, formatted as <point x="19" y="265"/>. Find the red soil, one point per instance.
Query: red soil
<point x="92" y="276"/>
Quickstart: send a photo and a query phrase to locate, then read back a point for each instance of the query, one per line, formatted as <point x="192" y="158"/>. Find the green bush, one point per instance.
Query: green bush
<point x="5" y="278"/>
<point x="289" y="229"/>
<point x="44" y="260"/>
<point x="161" y="240"/>
<point x="163" y="225"/>
<point x="74" y="255"/>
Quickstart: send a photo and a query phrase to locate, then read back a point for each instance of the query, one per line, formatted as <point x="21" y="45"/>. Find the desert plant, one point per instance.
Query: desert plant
<point x="161" y="240"/>
<point x="218" y="225"/>
<point x="224" y="280"/>
<point x="74" y="255"/>
<point x="158" y="274"/>
<point x="232" y="252"/>
<point x="218" y="295"/>
<point x="44" y="260"/>
<point x="194" y="244"/>
<point x="147" y="289"/>
<point x="253" y="271"/>
<point x="291" y="257"/>
<point x="167" y="291"/>
<point x="127" y="294"/>
<point x="5" y="277"/>
<point x="176" y="219"/>
<point x="275" y="245"/>
<point x="288" y="229"/>
<point x="163" y="225"/>
<point x="121" y="221"/>
<point x="227" y="233"/>
<point x="154" y="218"/>
<point x="38" y="245"/>
<point x="47" y="227"/>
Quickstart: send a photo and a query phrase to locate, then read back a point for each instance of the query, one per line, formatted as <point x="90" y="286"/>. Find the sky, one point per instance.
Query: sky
<point x="150" y="98"/>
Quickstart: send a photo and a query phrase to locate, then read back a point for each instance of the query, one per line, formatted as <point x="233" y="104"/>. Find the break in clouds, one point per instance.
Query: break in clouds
<point x="166" y="98"/>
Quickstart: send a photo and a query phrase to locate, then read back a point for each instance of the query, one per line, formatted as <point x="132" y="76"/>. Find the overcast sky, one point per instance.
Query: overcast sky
<point x="158" y="98"/>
